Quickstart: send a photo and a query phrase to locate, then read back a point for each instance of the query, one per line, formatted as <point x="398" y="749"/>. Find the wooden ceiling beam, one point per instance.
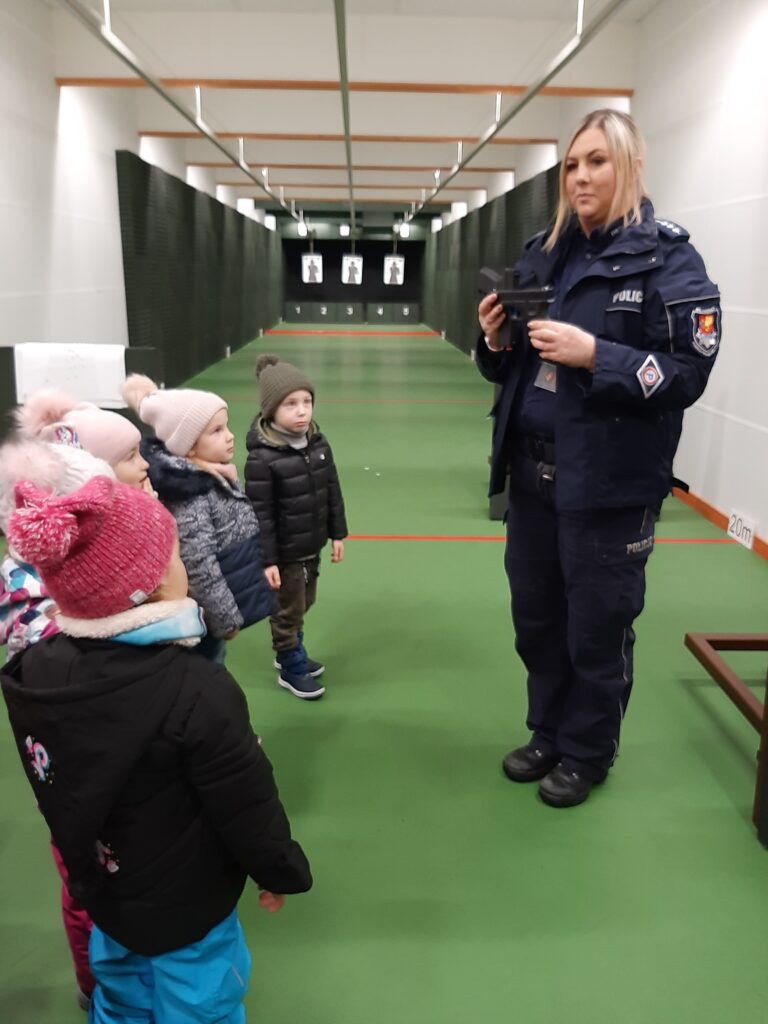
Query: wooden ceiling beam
<point x="311" y="137"/>
<point x="357" y="167"/>
<point x="329" y="85"/>
<point x="342" y="185"/>
<point x="260" y="199"/>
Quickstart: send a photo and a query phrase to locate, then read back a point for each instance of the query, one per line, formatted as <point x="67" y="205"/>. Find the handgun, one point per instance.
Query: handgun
<point x="521" y="304"/>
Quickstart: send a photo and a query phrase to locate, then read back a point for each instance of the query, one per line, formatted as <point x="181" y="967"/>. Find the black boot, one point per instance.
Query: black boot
<point x="563" y="788"/>
<point x="528" y="763"/>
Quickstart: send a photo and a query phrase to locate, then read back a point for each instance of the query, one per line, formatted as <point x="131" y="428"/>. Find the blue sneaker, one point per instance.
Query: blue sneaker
<point x="314" y="668"/>
<point x="294" y="675"/>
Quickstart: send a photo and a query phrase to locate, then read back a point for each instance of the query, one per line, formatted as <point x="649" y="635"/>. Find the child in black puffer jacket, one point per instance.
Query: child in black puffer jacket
<point x="291" y="480"/>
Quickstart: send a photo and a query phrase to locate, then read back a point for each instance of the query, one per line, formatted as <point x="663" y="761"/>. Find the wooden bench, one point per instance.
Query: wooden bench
<point x="705" y="647"/>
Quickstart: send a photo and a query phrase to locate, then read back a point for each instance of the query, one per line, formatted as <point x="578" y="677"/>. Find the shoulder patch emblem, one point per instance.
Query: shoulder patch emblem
<point x="650" y="376"/>
<point x="706" y="329"/>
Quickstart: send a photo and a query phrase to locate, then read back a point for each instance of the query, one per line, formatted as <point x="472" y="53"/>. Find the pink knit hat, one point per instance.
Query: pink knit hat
<point x="178" y="416"/>
<point x="99" y="551"/>
<point x="53" y="416"/>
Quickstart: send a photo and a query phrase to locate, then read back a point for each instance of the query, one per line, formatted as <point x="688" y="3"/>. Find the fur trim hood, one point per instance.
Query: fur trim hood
<point x="112" y="626"/>
<point x="174" y="477"/>
<point x="261" y="432"/>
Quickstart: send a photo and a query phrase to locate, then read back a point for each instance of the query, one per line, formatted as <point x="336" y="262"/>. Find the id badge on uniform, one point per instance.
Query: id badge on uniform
<point x="546" y="378"/>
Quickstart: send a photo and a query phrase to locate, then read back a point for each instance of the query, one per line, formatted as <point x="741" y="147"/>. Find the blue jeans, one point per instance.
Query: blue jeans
<point x="203" y="983"/>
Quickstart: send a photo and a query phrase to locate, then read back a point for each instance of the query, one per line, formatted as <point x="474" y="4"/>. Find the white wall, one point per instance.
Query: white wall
<point x="578" y="108"/>
<point x="500" y="183"/>
<point x="701" y="101"/>
<point x="61" y="279"/>
<point x="167" y="154"/>
<point x="533" y="160"/>
<point x="202" y="178"/>
<point x="227" y="195"/>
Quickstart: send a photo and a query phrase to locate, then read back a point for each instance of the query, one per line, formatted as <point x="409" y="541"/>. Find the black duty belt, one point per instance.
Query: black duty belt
<point x="542" y="449"/>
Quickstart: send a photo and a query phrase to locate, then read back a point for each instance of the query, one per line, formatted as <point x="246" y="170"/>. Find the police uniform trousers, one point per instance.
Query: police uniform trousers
<point x="577" y="580"/>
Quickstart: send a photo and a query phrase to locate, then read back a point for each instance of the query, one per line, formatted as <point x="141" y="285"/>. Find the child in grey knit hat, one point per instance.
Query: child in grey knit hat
<point x="291" y="480"/>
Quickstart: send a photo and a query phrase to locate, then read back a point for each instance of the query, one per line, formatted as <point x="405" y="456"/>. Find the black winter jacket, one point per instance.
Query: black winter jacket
<point x="218" y="539"/>
<point x="154" y="787"/>
<point x="295" y="494"/>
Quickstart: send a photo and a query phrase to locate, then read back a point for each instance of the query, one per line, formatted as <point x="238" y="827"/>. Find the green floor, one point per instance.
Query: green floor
<point x="445" y="894"/>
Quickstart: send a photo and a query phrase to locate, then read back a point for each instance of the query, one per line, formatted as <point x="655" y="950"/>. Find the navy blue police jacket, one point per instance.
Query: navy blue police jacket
<point x="656" y="318"/>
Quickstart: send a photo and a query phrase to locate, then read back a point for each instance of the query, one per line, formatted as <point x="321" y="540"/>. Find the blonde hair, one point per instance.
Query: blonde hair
<point x="626" y="150"/>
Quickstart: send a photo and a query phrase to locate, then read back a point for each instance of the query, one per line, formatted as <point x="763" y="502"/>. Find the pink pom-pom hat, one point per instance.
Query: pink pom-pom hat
<point x="100" y="550"/>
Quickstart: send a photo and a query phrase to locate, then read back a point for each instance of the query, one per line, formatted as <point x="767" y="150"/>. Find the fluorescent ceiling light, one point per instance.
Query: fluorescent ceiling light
<point x="270" y="221"/>
<point x="301" y="227"/>
<point x="344" y="230"/>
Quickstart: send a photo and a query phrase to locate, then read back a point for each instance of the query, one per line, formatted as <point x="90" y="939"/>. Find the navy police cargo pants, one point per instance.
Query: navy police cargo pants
<point x="577" y="580"/>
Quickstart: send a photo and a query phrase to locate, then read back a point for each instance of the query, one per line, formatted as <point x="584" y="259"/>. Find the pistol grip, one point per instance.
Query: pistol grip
<point x="505" y="332"/>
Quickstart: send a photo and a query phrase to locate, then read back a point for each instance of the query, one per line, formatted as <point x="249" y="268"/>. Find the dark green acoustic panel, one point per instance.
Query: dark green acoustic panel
<point x="7" y="390"/>
<point x="380" y="313"/>
<point x="298" y="312"/>
<point x="405" y="312"/>
<point x="324" y="311"/>
<point x="492" y="236"/>
<point x="145" y="360"/>
<point x="352" y="312"/>
<point x="199" y="277"/>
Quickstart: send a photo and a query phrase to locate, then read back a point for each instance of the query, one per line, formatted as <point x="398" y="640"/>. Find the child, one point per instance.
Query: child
<point x="293" y="485"/>
<point x="53" y="416"/>
<point x="26" y="611"/>
<point x="27" y="615"/>
<point x="143" y="761"/>
<point x="190" y="468"/>
<point x="90" y="441"/>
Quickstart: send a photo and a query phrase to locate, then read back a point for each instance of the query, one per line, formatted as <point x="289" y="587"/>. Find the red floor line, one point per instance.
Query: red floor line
<point x="358" y="334"/>
<point x="501" y="539"/>
<point x="415" y="537"/>
<point x="694" y="540"/>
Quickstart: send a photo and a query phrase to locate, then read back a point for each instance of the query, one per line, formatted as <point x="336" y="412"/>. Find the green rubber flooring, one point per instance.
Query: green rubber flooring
<point x="445" y="894"/>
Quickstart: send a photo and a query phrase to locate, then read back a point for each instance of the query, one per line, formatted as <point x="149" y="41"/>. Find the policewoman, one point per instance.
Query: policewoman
<point x="587" y="423"/>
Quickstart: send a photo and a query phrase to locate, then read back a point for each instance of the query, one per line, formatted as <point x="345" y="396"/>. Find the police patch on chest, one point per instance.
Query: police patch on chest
<point x="650" y="376"/>
<point x="628" y="298"/>
<point x="706" y="329"/>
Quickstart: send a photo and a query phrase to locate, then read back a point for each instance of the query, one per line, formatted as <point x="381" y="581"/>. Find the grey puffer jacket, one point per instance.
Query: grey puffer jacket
<point x="295" y="493"/>
<point x="218" y="539"/>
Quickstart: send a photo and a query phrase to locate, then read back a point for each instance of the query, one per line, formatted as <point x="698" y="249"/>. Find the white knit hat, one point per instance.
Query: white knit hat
<point x="54" y="416"/>
<point x="178" y="416"/>
<point x="57" y="468"/>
